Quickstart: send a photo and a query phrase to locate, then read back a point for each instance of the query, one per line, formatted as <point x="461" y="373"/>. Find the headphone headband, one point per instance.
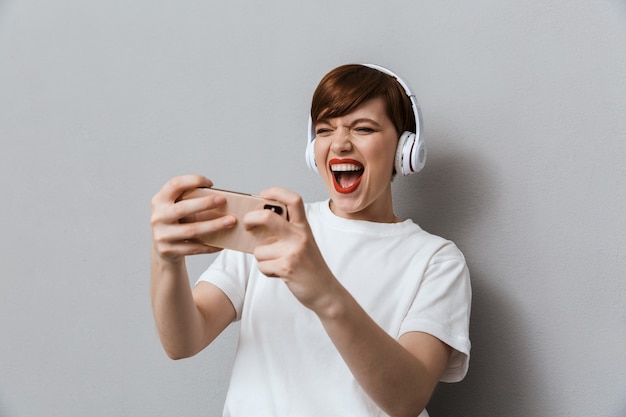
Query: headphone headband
<point x="410" y="94"/>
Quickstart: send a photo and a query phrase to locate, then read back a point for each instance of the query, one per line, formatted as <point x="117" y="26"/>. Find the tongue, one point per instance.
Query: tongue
<point x="346" y="179"/>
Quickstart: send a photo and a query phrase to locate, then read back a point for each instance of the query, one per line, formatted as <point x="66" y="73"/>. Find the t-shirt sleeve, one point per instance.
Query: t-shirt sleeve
<point x="442" y="308"/>
<point x="229" y="272"/>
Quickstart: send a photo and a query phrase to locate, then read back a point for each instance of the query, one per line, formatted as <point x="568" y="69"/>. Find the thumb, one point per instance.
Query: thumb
<point x="293" y="202"/>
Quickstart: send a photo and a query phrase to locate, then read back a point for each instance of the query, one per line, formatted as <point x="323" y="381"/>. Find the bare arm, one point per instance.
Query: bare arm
<point x="399" y="376"/>
<point x="187" y="321"/>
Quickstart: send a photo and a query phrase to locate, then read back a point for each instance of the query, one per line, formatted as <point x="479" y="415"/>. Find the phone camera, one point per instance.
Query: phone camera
<point x="276" y="209"/>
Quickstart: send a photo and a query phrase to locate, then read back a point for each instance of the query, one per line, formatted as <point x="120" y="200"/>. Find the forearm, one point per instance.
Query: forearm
<point x="395" y="379"/>
<point x="178" y="321"/>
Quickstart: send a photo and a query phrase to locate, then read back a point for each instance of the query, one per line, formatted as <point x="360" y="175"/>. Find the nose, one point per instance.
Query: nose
<point x="341" y="142"/>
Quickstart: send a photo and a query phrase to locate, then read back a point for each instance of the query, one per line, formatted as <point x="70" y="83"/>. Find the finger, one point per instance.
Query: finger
<point x="268" y="252"/>
<point x="180" y="232"/>
<point x="293" y="201"/>
<point x="268" y="261"/>
<point x="267" y="269"/>
<point x="176" y="186"/>
<point x="195" y="209"/>
<point x="194" y="247"/>
<point x="185" y="211"/>
<point x="266" y="219"/>
<point x="186" y="248"/>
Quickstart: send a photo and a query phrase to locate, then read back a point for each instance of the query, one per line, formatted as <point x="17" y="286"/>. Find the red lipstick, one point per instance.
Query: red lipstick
<point x="346" y="174"/>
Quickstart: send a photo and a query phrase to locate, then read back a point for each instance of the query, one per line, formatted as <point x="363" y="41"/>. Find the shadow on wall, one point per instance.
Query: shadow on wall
<point x="502" y="380"/>
<point x="453" y="198"/>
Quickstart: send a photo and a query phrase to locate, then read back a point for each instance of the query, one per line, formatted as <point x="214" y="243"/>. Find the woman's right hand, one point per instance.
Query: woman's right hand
<point x="173" y="240"/>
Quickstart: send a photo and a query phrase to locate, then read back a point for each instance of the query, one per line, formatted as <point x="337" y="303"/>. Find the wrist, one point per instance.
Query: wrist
<point x="333" y="305"/>
<point x="164" y="250"/>
<point x="166" y="263"/>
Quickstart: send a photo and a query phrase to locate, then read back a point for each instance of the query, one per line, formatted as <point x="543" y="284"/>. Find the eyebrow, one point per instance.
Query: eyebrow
<point x="353" y="122"/>
<point x="365" y="120"/>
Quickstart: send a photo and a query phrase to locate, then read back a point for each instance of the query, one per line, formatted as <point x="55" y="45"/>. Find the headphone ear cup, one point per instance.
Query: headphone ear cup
<point x="410" y="154"/>
<point x="402" y="165"/>
<point x="419" y="155"/>
<point x="310" y="156"/>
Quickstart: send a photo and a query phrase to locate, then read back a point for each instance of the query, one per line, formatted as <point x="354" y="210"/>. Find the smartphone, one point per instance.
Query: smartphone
<point x="237" y="204"/>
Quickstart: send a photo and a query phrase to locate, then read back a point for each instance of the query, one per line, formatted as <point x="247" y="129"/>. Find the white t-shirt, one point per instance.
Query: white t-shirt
<point x="286" y="365"/>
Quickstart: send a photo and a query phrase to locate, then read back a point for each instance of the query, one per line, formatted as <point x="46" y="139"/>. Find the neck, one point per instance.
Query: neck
<point x="386" y="216"/>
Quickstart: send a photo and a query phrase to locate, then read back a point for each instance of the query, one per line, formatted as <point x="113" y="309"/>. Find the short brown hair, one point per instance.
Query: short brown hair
<point x="345" y="88"/>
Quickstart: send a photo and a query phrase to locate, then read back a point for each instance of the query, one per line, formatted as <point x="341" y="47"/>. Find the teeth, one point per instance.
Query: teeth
<point x="345" y="167"/>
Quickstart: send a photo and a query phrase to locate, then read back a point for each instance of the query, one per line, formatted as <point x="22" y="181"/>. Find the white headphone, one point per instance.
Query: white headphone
<point x="411" y="150"/>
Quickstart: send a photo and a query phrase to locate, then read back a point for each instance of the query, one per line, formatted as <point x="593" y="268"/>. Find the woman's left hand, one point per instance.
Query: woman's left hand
<point x="399" y="375"/>
<point x="294" y="256"/>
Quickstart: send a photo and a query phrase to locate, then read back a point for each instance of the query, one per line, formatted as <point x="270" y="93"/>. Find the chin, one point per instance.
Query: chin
<point x="344" y="206"/>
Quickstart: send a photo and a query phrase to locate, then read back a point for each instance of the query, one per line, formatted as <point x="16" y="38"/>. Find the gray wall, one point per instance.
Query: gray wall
<point x="100" y="102"/>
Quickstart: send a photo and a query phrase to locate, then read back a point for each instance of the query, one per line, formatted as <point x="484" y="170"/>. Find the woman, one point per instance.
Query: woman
<point x="350" y="311"/>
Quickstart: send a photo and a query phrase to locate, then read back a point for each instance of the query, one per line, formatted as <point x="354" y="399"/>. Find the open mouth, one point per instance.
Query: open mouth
<point x="347" y="174"/>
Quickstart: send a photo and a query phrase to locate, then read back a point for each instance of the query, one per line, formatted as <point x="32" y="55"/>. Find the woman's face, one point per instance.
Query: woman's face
<point x="355" y="157"/>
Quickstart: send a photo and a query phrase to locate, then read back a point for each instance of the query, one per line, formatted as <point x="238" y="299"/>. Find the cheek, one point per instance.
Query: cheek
<point x="385" y="154"/>
<point x="319" y="149"/>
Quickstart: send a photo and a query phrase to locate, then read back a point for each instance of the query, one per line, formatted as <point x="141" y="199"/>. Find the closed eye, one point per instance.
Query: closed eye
<point x="365" y="126"/>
